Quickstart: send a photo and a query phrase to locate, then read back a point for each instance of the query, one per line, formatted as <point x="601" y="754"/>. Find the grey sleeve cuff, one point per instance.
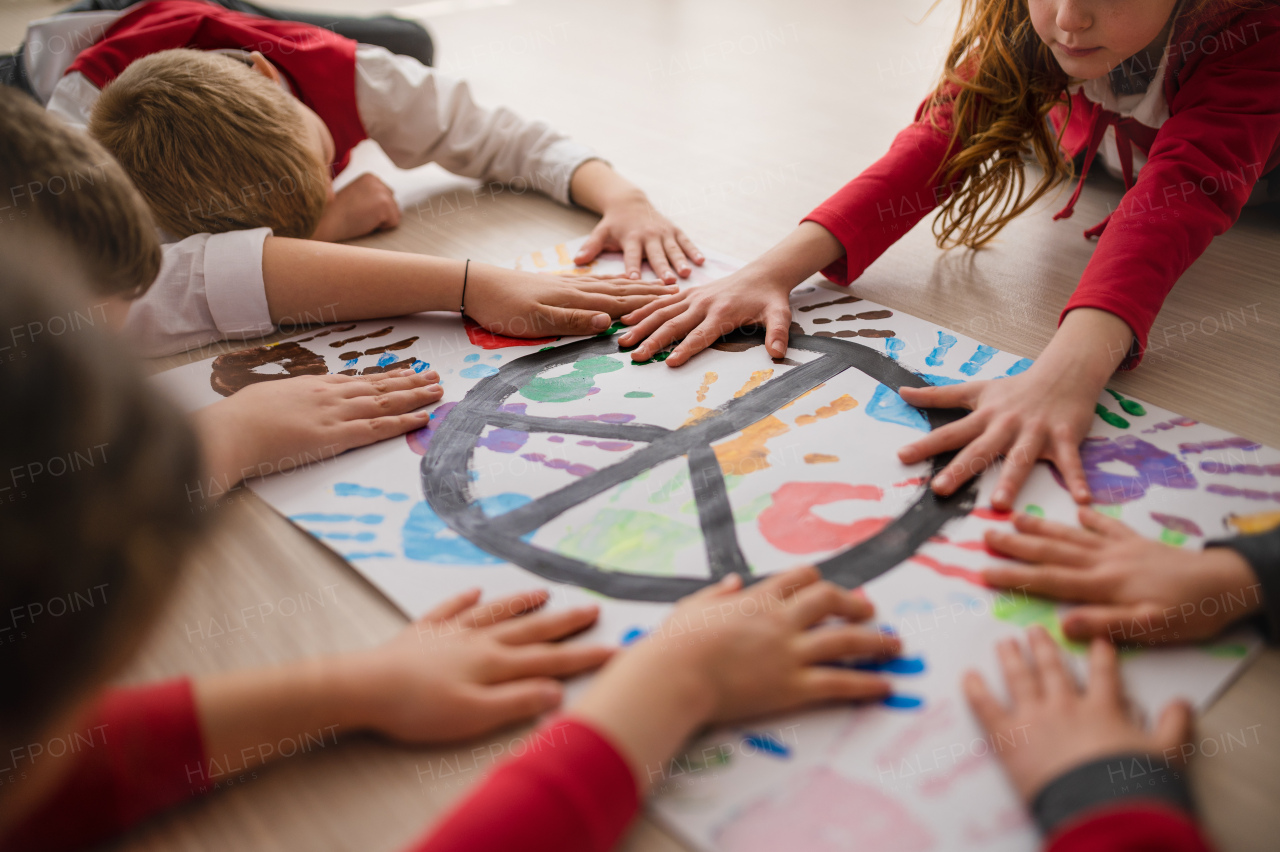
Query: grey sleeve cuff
<point x="1110" y="781"/>
<point x="1262" y="552"/>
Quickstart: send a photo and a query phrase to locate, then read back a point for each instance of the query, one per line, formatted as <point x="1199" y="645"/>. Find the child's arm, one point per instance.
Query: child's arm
<point x="460" y="671"/>
<point x="1092" y="777"/>
<point x="724" y="654"/>
<point x="276" y="426"/>
<point x="305" y="278"/>
<point x="420" y="115"/>
<point x="1132" y="589"/>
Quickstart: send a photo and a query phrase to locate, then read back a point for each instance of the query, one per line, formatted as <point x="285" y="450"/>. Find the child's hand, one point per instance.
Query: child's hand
<point x="634" y="227"/>
<point x="1137" y="590"/>
<point x="725" y="654"/>
<point x="701" y="315"/>
<point x="463" y="670"/>
<point x="279" y="425"/>
<point x="1024" y="418"/>
<point x="526" y="304"/>
<point x="1053" y="726"/>
<point x="361" y="207"/>
<point x="630" y="224"/>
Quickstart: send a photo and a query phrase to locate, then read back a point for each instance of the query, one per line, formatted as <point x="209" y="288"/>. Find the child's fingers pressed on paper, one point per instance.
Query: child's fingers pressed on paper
<point x="391" y="404"/>
<point x="1104" y="684"/>
<point x="1050" y="581"/>
<point x="636" y="318"/>
<point x="706" y="333"/>
<point x="816" y="602"/>
<point x="657" y="255"/>
<point x="654" y="319"/>
<point x="1118" y="623"/>
<point x="1018" y="463"/>
<point x="974" y="459"/>
<point x="377" y="383"/>
<point x="1056" y="681"/>
<point x="500" y="609"/>
<point x="360" y="433"/>
<point x="949" y="437"/>
<point x="823" y="644"/>
<point x="1040" y="549"/>
<point x="671" y="330"/>
<point x="690" y="248"/>
<point x="553" y="320"/>
<point x="990" y="712"/>
<point x="1066" y="458"/>
<point x="550" y="661"/>
<point x="676" y="257"/>
<point x="1019" y="672"/>
<point x="632" y="255"/>
<point x="452" y="606"/>
<point x="1099" y="523"/>
<point x="940" y="396"/>
<point x="547" y="626"/>
<point x="591" y="248"/>
<point x="626" y="287"/>
<point x="1033" y="525"/>
<point x="504" y="703"/>
<point x="824" y="683"/>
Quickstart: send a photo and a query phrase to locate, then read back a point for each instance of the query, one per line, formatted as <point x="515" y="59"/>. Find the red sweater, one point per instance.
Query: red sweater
<point x="1222" y="87"/>
<point x="575" y="796"/>
<point x="319" y="65"/>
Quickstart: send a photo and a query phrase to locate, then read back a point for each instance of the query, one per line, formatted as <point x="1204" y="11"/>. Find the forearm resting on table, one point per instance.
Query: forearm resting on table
<point x="316" y="281"/>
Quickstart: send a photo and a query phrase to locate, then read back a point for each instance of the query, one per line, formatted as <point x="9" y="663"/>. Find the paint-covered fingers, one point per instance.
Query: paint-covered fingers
<point x="657" y="255"/>
<point x="543" y="660"/>
<point x="1019" y="672"/>
<point x="547" y="626"/>
<point x="1057" y="682"/>
<point x="845" y="642"/>
<point x="949" y="437"/>
<point x="978" y="455"/>
<point x="500" y="609"/>
<point x="1049" y="581"/>
<point x="824" y="683"/>
<point x="1040" y="549"/>
<point x="455" y="605"/>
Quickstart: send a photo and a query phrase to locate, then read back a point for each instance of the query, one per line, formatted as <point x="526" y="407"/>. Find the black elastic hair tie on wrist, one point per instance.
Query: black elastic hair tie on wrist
<point x="462" y="303"/>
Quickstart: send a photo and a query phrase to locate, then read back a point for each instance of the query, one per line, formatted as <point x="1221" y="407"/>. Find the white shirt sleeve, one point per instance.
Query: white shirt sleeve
<point x="73" y="99"/>
<point x="420" y="115"/>
<point x="210" y="288"/>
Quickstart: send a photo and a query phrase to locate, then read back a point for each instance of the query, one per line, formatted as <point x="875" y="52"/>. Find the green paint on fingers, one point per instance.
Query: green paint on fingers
<point x="1025" y="611"/>
<point x="1173" y="537"/>
<point x="1033" y="509"/>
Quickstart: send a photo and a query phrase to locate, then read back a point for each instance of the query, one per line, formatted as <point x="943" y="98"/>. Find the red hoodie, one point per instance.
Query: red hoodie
<point x="319" y="65"/>
<point x="1222" y="89"/>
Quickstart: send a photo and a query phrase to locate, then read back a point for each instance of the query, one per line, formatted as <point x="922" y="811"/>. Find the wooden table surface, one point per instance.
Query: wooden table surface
<point x="738" y="117"/>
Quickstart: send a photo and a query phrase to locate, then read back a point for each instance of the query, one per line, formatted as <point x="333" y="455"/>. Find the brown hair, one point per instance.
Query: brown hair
<point x="1003" y="81"/>
<point x="212" y="145"/>
<point x="97" y="516"/>
<point x="63" y="177"/>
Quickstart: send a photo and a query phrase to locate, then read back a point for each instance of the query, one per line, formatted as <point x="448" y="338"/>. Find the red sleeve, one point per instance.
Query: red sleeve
<point x="1146" y="827"/>
<point x="1221" y="136"/>
<point x="570" y="792"/>
<point x="872" y="211"/>
<point x="144" y="747"/>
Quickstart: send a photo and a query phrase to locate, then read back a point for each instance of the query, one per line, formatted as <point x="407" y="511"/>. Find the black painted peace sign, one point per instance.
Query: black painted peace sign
<point x="446" y="482"/>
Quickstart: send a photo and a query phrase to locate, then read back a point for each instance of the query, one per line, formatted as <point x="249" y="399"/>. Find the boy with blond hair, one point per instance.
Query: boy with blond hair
<point x="64" y="180"/>
<point x="237" y="266"/>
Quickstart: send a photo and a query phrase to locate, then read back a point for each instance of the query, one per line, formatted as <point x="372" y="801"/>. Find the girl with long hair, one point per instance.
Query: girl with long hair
<point x="1180" y="97"/>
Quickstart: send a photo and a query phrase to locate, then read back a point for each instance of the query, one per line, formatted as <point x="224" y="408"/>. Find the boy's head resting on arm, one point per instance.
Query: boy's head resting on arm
<point x="53" y="173"/>
<point x="96" y="471"/>
<point x="215" y="145"/>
